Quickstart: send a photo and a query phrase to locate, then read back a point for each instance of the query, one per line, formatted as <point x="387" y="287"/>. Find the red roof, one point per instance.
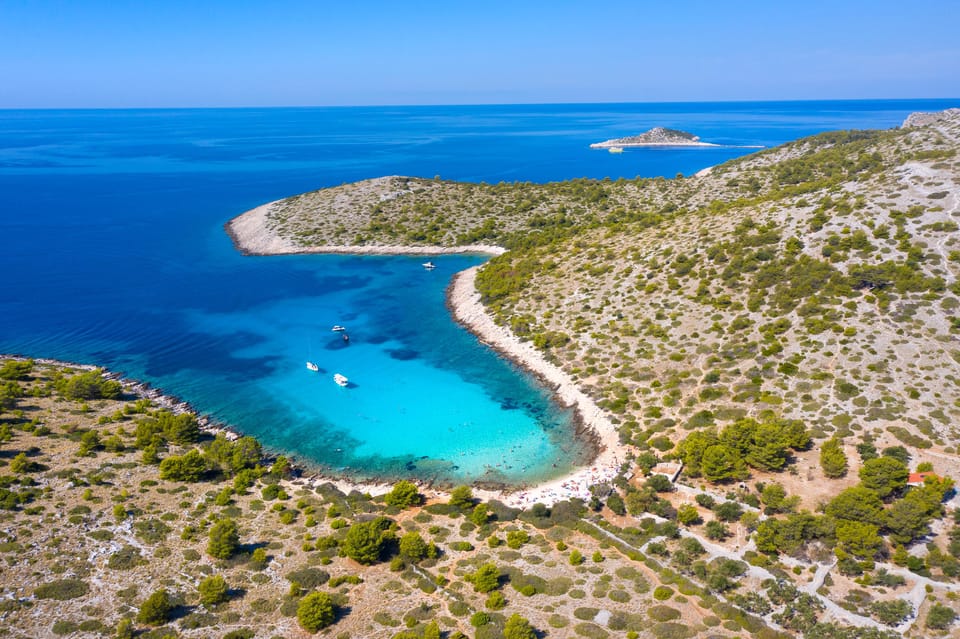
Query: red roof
<point x="918" y="478"/>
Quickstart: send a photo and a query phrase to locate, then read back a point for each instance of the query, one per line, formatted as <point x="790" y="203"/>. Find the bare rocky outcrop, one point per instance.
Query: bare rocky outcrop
<point x="923" y="118"/>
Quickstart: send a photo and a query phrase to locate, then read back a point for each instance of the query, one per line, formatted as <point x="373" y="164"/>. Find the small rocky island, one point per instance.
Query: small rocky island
<point x="657" y="136"/>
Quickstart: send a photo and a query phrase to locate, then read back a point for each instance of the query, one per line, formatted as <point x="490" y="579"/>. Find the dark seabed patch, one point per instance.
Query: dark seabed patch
<point x="403" y="354"/>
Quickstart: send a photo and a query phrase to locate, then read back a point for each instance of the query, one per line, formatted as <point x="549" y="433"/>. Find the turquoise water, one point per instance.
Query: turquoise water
<point x="113" y="253"/>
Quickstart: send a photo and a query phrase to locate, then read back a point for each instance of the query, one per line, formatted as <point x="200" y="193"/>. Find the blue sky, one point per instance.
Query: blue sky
<point x="125" y="53"/>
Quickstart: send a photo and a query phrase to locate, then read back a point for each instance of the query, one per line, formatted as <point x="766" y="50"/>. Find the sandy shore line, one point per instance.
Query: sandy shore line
<point x="464" y="302"/>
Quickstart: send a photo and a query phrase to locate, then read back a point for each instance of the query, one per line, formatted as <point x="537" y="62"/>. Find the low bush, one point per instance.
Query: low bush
<point x="125" y="558"/>
<point x="591" y="631"/>
<point x="671" y="630"/>
<point x="62" y="589"/>
<point x="663" y="613"/>
<point x="308" y="578"/>
<point x="662" y="593"/>
<point x="586" y="614"/>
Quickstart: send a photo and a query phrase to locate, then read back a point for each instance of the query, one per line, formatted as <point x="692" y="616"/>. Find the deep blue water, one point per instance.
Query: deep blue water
<point x="113" y="253"/>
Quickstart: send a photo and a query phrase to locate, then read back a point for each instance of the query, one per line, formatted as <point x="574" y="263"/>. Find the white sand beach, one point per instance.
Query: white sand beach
<point x="464" y="300"/>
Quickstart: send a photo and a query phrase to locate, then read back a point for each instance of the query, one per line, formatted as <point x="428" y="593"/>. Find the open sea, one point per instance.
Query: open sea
<point x="112" y="252"/>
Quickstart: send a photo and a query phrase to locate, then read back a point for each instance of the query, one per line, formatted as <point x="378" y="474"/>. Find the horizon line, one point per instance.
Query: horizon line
<point x="466" y="104"/>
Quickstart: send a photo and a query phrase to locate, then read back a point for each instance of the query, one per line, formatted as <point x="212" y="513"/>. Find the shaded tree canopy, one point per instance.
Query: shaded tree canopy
<point x="403" y="495"/>
<point x="365" y="541"/>
<point x="224" y="539"/>
<point x="885" y="475"/>
<point x="315" y="612"/>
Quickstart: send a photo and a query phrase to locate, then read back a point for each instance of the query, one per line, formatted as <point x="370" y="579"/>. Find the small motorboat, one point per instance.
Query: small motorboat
<point x="313" y="367"/>
<point x="337" y="328"/>
<point x="341" y="380"/>
<point x="429" y="266"/>
<point x="346" y="338"/>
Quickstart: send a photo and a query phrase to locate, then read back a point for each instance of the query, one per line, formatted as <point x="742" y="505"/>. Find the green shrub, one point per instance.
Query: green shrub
<point x="891" y="612"/>
<point x="585" y="613"/>
<point x="364" y="541"/>
<point x="496" y="601"/>
<point x="403" y="495"/>
<point x="213" y="590"/>
<point x="384" y="619"/>
<point x="671" y="630"/>
<point x="125" y="558"/>
<point x="663" y="613"/>
<point x="151" y="531"/>
<point x="308" y="577"/>
<point x="590" y="630"/>
<point x="64" y="627"/>
<point x="224" y="539"/>
<point x="486" y="578"/>
<point x="479" y="618"/>
<point x="315" y="612"/>
<point x="557" y="621"/>
<point x="662" y="593"/>
<point x="62" y="590"/>
<point x="516" y="538"/>
<point x="89" y="385"/>
<point x="155" y="611"/>
<point x="940" y="617"/>
<point x="345" y="579"/>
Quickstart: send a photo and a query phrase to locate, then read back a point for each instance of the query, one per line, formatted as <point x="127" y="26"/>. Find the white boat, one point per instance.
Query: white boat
<point x="337" y="328"/>
<point x="429" y="266"/>
<point x="313" y="367"/>
<point x="615" y="149"/>
<point x="340" y="379"/>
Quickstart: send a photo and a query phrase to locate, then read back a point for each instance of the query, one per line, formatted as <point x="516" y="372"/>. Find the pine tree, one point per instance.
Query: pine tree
<point x="224" y="539"/>
<point x="832" y="459"/>
<point x="315" y="611"/>
<point x="155" y="611"/>
<point x="213" y="590"/>
<point x="518" y="628"/>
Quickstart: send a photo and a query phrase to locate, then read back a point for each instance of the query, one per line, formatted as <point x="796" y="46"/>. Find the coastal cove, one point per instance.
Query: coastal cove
<point x="123" y="263"/>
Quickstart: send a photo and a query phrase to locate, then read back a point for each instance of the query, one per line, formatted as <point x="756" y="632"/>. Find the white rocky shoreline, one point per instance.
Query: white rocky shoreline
<point x="251" y="236"/>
